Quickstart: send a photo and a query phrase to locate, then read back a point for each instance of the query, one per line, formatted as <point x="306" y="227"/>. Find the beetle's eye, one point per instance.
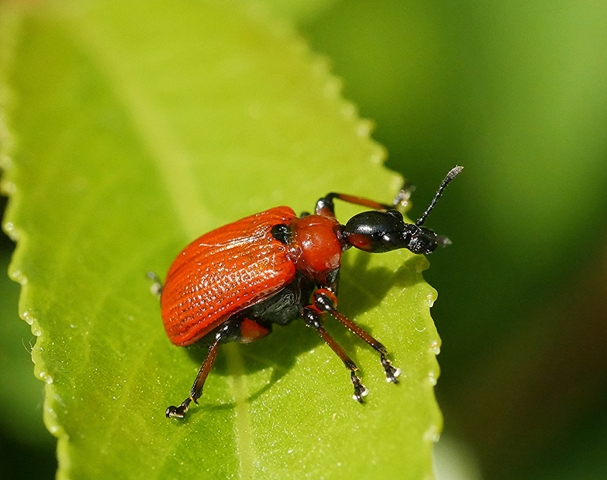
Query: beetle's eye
<point x="282" y="233"/>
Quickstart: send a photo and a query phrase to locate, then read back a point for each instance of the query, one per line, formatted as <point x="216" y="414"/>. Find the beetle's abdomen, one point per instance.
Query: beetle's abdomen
<point x="222" y="273"/>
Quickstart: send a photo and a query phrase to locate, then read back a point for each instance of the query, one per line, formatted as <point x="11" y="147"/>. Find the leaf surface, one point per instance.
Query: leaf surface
<point x="134" y="128"/>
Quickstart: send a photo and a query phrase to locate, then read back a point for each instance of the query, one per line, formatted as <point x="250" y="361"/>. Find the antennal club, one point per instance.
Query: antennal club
<point x="454" y="172"/>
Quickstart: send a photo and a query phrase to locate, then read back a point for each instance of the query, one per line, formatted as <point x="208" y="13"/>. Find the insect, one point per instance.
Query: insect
<point x="233" y="283"/>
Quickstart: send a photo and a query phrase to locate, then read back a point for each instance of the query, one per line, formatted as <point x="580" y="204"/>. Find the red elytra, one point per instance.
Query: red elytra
<point x="236" y="266"/>
<point x="234" y="283"/>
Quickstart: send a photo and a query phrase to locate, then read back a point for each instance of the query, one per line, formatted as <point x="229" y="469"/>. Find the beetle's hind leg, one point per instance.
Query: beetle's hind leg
<point x="156" y="286"/>
<point x="325" y="301"/>
<point x="203" y="373"/>
<point x="313" y="318"/>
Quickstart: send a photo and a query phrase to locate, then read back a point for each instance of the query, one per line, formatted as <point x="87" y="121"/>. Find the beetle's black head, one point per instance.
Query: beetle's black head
<point x="382" y="231"/>
<point x="378" y="232"/>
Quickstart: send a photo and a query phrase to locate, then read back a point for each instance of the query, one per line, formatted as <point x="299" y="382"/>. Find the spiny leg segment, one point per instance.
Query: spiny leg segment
<point x="324" y="301"/>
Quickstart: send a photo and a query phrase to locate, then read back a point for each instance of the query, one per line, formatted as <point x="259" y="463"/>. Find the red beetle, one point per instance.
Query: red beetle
<point x="233" y="283"/>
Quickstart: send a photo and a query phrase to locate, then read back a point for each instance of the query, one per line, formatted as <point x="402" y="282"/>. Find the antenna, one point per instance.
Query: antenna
<point x="454" y="172"/>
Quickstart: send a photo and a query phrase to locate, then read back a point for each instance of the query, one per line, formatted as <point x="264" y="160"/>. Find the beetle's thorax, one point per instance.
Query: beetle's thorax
<point x="316" y="246"/>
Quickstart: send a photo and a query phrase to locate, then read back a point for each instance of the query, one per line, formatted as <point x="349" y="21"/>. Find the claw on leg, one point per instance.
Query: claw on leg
<point x="180" y="411"/>
<point x="360" y="391"/>
<point x="392" y="373"/>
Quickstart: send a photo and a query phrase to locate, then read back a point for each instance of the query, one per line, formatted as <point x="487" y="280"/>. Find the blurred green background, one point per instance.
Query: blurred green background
<point x="517" y="93"/>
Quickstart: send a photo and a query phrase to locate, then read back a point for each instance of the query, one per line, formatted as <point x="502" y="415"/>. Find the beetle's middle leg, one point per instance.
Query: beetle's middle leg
<point x="325" y="301"/>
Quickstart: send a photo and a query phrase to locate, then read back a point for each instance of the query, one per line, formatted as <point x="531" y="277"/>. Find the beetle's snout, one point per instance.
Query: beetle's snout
<point x="423" y="240"/>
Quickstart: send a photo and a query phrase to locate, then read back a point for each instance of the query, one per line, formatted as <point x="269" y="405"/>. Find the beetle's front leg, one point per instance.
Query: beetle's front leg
<point x="313" y="318"/>
<point x="325" y="301"/>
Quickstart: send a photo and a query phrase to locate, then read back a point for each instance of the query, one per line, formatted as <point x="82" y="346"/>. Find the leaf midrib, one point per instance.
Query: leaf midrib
<point x="175" y="165"/>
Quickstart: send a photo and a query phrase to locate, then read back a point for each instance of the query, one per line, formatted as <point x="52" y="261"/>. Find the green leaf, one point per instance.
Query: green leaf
<point x="137" y="126"/>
